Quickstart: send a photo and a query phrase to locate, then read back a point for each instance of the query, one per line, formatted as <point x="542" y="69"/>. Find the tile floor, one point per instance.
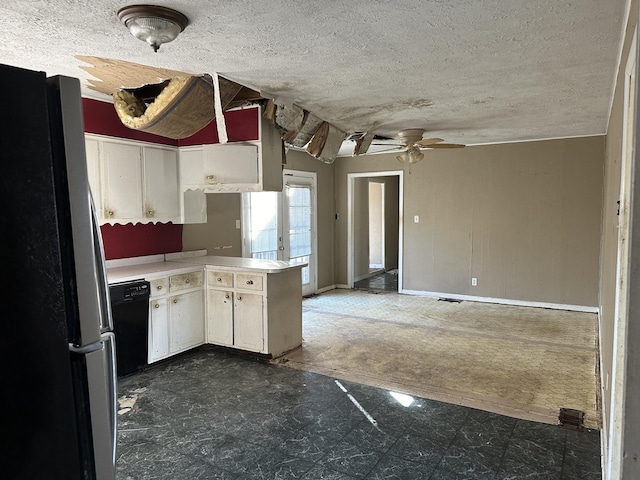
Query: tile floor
<point x="385" y="281"/>
<point x="208" y="414"/>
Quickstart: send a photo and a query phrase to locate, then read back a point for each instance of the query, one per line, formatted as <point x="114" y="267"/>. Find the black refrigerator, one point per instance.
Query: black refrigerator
<point x="58" y="373"/>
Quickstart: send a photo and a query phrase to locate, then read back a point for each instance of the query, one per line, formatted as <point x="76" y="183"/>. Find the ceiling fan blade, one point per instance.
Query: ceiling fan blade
<point x="445" y="145"/>
<point x="428" y="141"/>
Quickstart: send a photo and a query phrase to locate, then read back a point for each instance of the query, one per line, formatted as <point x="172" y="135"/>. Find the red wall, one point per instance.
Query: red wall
<point x="124" y="241"/>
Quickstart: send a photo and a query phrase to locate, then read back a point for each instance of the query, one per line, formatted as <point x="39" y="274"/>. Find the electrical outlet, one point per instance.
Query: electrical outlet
<point x="416" y="219"/>
<point x="474" y="282"/>
<point x="238" y="224"/>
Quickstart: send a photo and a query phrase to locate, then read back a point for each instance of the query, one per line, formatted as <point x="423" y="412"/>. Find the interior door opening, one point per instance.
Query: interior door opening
<point x="374" y="229"/>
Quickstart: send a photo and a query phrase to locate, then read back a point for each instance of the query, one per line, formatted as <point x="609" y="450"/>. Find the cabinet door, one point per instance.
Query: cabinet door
<point x="191" y="167"/>
<point x="161" y="199"/>
<point x="158" y="330"/>
<point x="122" y="181"/>
<point x="220" y="317"/>
<point x="230" y="164"/>
<point x="92" y="148"/>
<point x="186" y="320"/>
<point x="247" y="322"/>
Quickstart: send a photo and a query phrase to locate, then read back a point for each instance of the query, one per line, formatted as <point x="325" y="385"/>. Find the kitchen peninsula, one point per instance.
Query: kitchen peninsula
<point x="242" y="303"/>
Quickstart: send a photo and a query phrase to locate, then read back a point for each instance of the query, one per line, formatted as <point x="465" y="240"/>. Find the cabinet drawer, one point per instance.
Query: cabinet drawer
<point x="219" y="279"/>
<point x="159" y="286"/>
<point x="249" y="281"/>
<point x="185" y="281"/>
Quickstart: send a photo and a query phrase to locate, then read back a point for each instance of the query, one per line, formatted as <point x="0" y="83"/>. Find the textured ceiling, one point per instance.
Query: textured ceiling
<point x="468" y="71"/>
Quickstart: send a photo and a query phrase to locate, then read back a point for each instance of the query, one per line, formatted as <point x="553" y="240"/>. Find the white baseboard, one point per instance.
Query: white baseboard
<point x="503" y="301"/>
<point x="343" y="285"/>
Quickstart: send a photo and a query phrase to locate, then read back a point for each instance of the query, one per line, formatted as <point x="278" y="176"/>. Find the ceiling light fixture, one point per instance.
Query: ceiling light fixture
<point x="152" y="24"/>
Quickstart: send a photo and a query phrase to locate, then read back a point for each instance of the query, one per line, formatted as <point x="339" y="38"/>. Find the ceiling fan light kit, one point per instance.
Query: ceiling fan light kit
<point x="153" y="24"/>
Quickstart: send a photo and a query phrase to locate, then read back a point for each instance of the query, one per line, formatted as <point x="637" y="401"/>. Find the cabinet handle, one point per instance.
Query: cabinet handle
<point x="186" y="281"/>
<point x="150" y="213"/>
<point x="175" y="300"/>
<point x="210" y="177"/>
<point x="109" y="213"/>
<point x="226" y="297"/>
<point x="159" y="287"/>
<point x="239" y="298"/>
<point x="157" y="305"/>
<point x="219" y="279"/>
<point x="249" y="282"/>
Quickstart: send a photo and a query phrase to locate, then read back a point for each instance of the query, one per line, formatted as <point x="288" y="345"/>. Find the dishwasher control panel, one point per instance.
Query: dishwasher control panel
<point x="129" y="291"/>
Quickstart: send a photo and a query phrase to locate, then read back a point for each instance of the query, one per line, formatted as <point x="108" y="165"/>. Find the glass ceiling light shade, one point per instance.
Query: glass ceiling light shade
<point x="152" y="24"/>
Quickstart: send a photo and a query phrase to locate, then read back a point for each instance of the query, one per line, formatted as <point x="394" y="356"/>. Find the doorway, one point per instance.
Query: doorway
<point x="282" y="225"/>
<point x="374" y="228"/>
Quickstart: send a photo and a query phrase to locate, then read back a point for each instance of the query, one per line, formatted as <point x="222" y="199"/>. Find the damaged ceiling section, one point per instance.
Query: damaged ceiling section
<point x="178" y="104"/>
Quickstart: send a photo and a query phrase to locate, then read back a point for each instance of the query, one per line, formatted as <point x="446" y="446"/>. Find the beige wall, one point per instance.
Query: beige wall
<point x="391" y="199"/>
<point x="609" y="245"/>
<point x="223" y="209"/>
<point x="523" y="218"/>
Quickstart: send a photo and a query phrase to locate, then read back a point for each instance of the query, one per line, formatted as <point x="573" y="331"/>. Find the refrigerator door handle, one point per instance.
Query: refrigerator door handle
<point x="83" y="350"/>
<point x="106" y="322"/>
<point x="109" y="340"/>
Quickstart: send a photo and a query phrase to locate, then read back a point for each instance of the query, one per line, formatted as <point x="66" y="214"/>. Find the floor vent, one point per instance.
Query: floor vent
<point x="450" y="300"/>
<point x="571" y="419"/>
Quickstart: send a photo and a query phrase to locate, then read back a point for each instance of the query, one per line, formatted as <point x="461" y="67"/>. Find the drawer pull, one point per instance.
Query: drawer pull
<point x="239" y="298"/>
<point x="249" y="282"/>
<point x="159" y="287"/>
<point x="175" y="300"/>
<point x="186" y="281"/>
<point x="157" y="305"/>
<point x="226" y="297"/>
<point x="218" y="279"/>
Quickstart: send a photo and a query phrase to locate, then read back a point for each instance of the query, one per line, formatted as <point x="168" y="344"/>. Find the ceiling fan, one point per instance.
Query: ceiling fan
<point x="411" y="138"/>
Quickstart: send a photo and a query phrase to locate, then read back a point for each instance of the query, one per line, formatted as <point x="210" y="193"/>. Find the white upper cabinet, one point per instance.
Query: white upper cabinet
<point x="132" y="182"/>
<point x="160" y="172"/>
<point x="248" y="166"/>
<point x="122" y="182"/>
<point x="92" y="148"/>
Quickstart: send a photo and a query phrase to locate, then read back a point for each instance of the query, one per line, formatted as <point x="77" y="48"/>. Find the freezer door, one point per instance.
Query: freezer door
<point x="80" y="252"/>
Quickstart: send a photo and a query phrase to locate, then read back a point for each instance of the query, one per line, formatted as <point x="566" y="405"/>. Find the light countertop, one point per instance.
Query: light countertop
<point x="241" y="263"/>
<point x="147" y="270"/>
<point x="126" y="270"/>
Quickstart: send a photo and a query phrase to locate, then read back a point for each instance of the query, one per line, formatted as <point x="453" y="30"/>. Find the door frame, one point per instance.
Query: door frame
<point x="382" y="225"/>
<point x="312" y="179"/>
<point x="350" y="220"/>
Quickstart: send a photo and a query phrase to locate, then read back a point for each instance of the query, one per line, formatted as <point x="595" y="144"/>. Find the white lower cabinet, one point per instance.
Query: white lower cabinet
<point x="220" y="317"/>
<point x="257" y="312"/>
<point x="186" y="321"/>
<point x="248" y="321"/>
<point x="158" y="330"/>
<point x="176" y="314"/>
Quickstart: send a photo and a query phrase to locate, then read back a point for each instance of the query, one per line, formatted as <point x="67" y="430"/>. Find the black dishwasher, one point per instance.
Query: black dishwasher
<point x="130" y="311"/>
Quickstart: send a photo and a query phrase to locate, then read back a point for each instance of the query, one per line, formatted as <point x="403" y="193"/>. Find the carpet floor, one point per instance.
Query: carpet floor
<point x="517" y="361"/>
